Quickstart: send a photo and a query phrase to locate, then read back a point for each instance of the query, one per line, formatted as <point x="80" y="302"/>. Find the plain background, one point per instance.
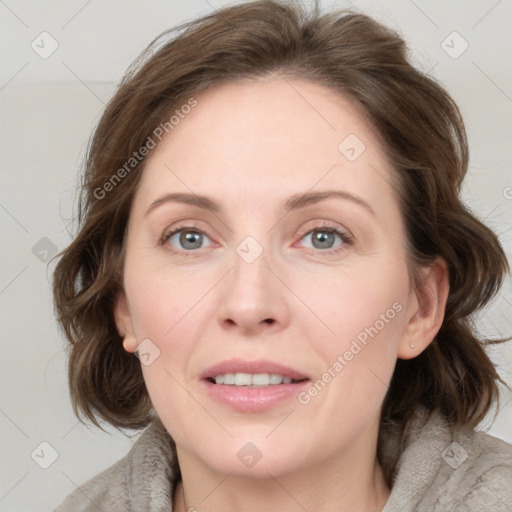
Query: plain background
<point x="49" y="107"/>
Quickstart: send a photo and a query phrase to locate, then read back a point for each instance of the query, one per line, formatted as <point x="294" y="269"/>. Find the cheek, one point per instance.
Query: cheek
<point x="365" y="315"/>
<point x="164" y="300"/>
<point x="171" y="308"/>
<point x="357" y="364"/>
<point x="361" y="303"/>
<point x="171" y="313"/>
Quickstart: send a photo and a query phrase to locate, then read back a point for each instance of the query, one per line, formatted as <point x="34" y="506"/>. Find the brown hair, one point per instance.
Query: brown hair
<point x="424" y="138"/>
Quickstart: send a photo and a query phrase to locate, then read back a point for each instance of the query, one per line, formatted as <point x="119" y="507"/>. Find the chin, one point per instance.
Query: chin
<point x="247" y="454"/>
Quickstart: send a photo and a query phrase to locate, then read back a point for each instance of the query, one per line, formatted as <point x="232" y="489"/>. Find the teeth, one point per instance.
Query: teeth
<point x="229" y="378"/>
<point x="249" y="379"/>
<point x="243" y="379"/>
<point x="261" y="379"/>
<point x="275" y="379"/>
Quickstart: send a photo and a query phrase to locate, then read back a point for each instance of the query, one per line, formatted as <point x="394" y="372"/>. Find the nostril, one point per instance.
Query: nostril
<point x="269" y="320"/>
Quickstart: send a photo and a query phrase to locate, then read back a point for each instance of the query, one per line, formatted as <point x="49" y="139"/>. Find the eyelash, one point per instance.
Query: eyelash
<point x="345" y="237"/>
<point x="322" y="226"/>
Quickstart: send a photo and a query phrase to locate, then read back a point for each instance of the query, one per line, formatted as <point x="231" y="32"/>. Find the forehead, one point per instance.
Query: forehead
<point x="272" y="137"/>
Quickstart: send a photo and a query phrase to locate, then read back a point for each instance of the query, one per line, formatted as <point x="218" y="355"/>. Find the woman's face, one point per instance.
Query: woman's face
<point x="265" y="245"/>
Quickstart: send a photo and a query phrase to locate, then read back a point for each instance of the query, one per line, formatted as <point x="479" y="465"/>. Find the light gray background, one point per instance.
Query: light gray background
<point x="49" y="107"/>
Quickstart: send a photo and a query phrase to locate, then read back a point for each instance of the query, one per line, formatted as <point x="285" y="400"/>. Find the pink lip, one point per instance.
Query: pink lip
<point x="253" y="399"/>
<point x="245" y="399"/>
<point x="260" y="366"/>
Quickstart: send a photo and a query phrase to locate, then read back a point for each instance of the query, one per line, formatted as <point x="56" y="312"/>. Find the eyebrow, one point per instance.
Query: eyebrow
<point x="300" y="200"/>
<point x="294" y="202"/>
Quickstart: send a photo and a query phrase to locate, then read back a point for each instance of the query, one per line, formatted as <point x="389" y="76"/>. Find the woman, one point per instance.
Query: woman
<point x="274" y="273"/>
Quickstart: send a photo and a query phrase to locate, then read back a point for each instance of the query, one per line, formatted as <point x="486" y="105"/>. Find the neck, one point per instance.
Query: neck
<point x="346" y="482"/>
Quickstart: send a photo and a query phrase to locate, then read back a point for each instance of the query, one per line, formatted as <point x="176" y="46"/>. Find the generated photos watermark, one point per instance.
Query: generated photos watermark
<point x="151" y="142"/>
<point x="356" y="346"/>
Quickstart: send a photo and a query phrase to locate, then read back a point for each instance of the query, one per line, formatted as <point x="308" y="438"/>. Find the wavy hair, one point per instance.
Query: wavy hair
<point x="421" y="131"/>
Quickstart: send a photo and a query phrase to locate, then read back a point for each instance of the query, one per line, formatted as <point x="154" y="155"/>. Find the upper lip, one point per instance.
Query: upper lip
<point x="253" y="367"/>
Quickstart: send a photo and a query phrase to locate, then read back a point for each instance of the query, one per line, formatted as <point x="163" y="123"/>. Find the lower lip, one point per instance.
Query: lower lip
<point x="253" y="399"/>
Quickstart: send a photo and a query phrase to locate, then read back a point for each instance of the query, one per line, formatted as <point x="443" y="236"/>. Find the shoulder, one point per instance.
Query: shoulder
<point x="480" y="472"/>
<point x="107" y="489"/>
<point x="442" y="470"/>
<point x="142" y="480"/>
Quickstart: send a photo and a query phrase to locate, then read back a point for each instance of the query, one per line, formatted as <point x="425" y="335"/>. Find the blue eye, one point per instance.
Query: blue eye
<point x="187" y="239"/>
<point x="328" y="237"/>
<point x="325" y="239"/>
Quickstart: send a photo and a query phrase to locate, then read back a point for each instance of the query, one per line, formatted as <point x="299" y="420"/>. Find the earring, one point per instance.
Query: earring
<point x="411" y="344"/>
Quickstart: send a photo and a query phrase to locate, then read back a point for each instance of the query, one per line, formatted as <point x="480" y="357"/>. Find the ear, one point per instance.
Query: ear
<point x="425" y="310"/>
<point x="124" y="323"/>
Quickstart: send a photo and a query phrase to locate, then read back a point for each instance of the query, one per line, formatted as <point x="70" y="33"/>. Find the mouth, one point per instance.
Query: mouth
<point x="261" y="373"/>
<point x="252" y="386"/>
<point x="252" y="380"/>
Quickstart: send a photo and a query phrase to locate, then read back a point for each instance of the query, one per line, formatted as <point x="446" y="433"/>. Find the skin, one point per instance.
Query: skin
<point x="250" y="145"/>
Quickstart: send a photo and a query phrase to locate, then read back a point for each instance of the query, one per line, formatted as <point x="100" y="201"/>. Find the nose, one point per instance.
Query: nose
<point x="253" y="300"/>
